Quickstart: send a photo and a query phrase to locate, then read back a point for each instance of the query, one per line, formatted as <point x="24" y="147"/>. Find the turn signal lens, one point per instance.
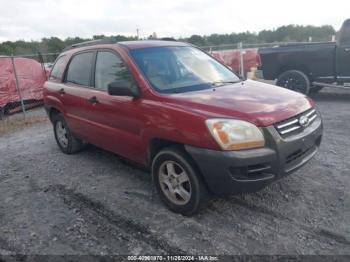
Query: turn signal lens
<point x="232" y="134"/>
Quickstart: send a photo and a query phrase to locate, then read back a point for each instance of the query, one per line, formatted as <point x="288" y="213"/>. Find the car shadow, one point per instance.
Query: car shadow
<point x="116" y="162"/>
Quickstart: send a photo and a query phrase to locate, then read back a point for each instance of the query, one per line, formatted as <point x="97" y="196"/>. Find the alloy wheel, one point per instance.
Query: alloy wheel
<point x="61" y="133"/>
<point x="174" y="183"/>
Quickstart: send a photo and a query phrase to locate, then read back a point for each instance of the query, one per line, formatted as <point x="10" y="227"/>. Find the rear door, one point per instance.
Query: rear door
<point x="343" y="53"/>
<point x="76" y="93"/>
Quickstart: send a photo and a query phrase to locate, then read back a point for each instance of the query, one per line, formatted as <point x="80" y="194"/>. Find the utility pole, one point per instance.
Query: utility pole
<point x="241" y="57"/>
<point x="138" y="33"/>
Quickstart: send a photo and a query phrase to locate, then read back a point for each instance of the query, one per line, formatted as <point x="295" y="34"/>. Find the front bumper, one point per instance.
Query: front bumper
<point x="233" y="172"/>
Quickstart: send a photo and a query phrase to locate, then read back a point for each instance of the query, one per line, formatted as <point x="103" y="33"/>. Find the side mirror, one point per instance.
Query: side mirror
<point x="123" y="88"/>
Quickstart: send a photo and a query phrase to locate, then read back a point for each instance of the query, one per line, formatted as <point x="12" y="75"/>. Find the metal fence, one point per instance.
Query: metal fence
<point x="45" y="58"/>
<point x="248" y="45"/>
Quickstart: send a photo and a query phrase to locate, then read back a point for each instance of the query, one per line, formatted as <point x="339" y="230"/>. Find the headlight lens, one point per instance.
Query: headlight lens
<point x="232" y="134"/>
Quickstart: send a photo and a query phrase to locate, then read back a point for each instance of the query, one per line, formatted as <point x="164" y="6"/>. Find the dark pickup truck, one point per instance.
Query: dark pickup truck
<point x="308" y="67"/>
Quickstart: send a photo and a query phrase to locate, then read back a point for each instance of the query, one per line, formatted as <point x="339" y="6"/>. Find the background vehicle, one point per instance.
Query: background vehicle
<point x="175" y="109"/>
<point x="232" y="58"/>
<point x="311" y="66"/>
<point x="31" y="79"/>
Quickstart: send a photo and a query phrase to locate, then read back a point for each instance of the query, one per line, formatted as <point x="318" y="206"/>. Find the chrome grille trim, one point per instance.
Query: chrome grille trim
<point x="311" y="119"/>
<point x="310" y="113"/>
<point x="290" y="130"/>
<point x="294" y="124"/>
<point x="288" y="124"/>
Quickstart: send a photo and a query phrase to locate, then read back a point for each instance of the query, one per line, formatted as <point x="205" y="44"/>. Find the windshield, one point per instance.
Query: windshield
<point x="181" y="69"/>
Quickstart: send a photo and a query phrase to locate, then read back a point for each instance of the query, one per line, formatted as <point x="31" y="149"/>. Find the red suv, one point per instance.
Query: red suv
<point x="167" y="105"/>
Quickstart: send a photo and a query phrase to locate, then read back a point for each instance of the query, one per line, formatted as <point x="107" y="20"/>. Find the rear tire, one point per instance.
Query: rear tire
<point x="177" y="181"/>
<point x="64" y="138"/>
<point x="294" y="80"/>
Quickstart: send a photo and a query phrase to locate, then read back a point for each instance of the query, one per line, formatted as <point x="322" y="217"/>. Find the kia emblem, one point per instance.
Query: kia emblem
<point x="304" y="121"/>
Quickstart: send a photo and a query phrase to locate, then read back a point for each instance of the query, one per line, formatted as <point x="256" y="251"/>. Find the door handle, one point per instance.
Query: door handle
<point x="61" y="91"/>
<point x="93" y="100"/>
<point x="347" y="49"/>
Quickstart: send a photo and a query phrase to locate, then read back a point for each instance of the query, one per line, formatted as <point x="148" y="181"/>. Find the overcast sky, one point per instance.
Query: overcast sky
<point x="34" y="19"/>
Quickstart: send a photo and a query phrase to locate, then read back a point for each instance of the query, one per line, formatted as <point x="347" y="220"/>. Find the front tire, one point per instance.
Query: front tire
<point x="64" y="138"/>
<point x="294" y="80"/>
<point x="178" y="182"/>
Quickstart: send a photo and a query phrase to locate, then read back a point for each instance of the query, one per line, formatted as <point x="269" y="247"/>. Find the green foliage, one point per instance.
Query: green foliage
<point x="197" y="40"/>
<point x="297" y="33"/>
<point x="49" y="45"/>
<point x="290" y="33"/>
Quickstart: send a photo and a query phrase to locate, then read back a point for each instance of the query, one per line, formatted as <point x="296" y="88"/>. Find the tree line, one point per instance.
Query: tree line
<point x="289" y="33"/>
<point x="49" y="45"/>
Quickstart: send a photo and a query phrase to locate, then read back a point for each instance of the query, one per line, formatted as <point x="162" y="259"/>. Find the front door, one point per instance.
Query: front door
<point x="343" y="54"/>
<point x="119" y="119"/>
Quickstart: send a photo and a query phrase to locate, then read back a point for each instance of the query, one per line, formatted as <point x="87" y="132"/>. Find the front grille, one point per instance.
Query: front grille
<point x="296" y="124"/>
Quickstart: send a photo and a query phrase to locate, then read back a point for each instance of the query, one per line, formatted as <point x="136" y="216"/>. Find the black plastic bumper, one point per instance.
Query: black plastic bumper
<point x="233" y="172"/>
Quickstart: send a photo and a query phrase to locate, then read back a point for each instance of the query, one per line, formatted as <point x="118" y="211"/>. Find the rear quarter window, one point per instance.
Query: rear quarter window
<point x="58" y="68"/>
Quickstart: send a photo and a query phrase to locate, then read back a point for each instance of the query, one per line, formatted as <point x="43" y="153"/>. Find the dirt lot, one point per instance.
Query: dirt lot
<point x="94" y="203"/>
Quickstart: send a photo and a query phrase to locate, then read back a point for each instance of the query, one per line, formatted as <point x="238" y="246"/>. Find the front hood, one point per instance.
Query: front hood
<point x="256" y="102"/>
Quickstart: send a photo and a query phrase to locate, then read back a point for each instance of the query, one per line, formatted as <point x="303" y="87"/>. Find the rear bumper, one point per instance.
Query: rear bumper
<point x="232" y="172"/>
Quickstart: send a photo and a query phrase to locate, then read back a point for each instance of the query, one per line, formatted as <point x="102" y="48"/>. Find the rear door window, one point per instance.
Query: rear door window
<point x="79" y="70"/>
<point x="110" y="68"/>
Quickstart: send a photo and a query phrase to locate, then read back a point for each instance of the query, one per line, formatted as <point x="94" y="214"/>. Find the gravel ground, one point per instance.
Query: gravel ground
<point x="95" y="203"/>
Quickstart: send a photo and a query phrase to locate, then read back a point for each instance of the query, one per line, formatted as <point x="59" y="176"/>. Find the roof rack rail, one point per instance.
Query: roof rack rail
<point x="90" y="43"/>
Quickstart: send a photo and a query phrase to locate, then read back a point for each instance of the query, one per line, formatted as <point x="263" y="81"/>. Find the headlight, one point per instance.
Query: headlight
<point x="234" y="134"/>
